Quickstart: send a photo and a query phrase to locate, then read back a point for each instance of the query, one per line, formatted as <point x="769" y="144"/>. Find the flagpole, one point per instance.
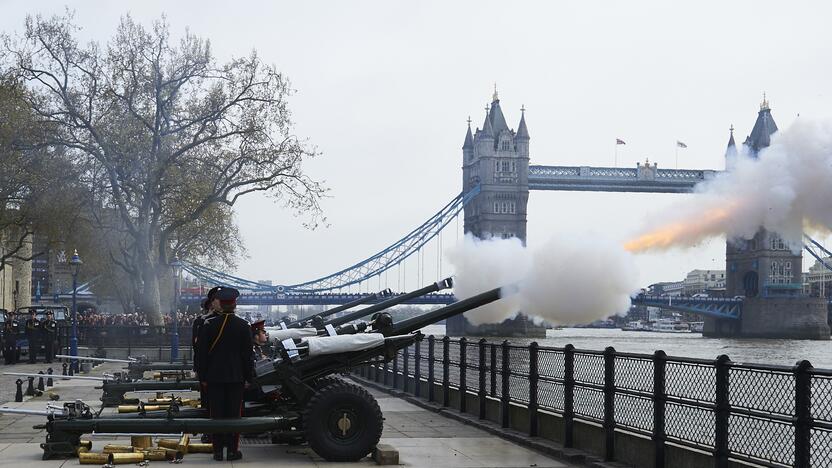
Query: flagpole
<point x="677" y="155"/>
<point x="615" y="163"/>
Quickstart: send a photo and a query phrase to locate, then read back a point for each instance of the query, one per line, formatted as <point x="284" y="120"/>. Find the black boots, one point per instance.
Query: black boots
<point x="234" y="455"/>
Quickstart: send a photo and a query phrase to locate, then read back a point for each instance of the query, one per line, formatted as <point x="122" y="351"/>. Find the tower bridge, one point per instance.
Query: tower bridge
<point x="496" y="181"/>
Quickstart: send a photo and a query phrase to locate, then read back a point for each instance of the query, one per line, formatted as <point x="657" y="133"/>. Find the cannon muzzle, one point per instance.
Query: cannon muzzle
<point x="446" y="283"/>
<point x="300" y="323"/>
<point x="94" y="359"/>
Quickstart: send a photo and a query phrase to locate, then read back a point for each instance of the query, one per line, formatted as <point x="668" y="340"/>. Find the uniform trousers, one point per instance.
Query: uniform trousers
<point x="49" y="348"/>
<point x="10" y="353"/>
<point x="225" y="401"/>
<point x="34" y="347"/>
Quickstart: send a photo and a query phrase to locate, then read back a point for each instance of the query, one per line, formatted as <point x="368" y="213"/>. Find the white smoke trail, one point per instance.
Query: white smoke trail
<point x="786" y="189"/>
<point x="566" y="281"/>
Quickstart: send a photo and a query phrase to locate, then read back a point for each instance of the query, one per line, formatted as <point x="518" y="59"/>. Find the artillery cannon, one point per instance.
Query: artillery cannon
<point x="114" y="392"/>
<point x="136" y="367"/>
<point x="301" y="323"/>
<point x="340" y="420"/>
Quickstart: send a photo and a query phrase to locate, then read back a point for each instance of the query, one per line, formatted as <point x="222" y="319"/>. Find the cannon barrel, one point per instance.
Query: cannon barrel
<point x="103" y="378"/>
<point x="169" y="426"/>
<point x="437" y="286"/>
<point x="300" y="323"/>
<point x="94" y="359"/>
<point x="412" y="324"/>
<point x="28" y="412"/>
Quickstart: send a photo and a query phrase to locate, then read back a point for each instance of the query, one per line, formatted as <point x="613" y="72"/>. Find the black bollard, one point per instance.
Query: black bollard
<point x="71" y="370"/>
<point x="49" y="382"/>
<point x="30" y="389"/>
<point x="40" y="381"/>
<point x="65" y="365"/>
<point x="18" y="395"/>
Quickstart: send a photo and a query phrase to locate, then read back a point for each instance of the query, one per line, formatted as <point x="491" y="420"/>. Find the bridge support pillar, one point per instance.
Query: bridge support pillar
<point x="521" y="326"/>
<point x="799" y="318"/>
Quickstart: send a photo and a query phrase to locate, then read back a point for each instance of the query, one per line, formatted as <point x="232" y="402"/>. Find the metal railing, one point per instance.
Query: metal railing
<point x="775" y="416"/>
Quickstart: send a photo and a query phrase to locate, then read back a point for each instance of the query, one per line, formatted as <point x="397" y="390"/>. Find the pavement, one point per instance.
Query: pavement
<point x="423" y="438"/>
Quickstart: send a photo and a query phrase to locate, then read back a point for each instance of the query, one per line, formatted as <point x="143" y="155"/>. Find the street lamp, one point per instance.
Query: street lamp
<point x="75" y="263"/>
<point x="174" y="346"/>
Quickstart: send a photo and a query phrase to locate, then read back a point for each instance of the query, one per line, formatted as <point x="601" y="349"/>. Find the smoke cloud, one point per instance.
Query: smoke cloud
<point x="787" y="189"/>
<point x="566" y="281"/>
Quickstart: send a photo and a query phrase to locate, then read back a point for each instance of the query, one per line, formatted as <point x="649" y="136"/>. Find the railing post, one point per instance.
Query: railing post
<point x="463" y="371"/>
<point x="505" y="397"/>
<point x="405" y="373"/>
<point x="723" y="411"/>
<point x="493" y="369"/>
<point x="609" y="403"/>
<point x="533" y="383"/>
<point x="431" y="359"/>
<point x="417" y="371"/>
<point x="483" y="370"/>
<point x="386" y="370"/>
<point x="396" y="370"/>
<point x="378" y="370"/>
<point x="659" y="403"/>
<point x="803" y="414"/>
<point x="568" y="396"/>
<point x="446" y="367"/>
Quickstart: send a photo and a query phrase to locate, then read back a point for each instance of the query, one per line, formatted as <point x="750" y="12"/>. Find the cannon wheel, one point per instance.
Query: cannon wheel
<point x="343" y="422"/>
<point x="327" y="381"/>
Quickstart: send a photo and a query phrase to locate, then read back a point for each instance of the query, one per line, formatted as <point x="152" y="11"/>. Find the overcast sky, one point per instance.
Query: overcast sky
<point x="384" y="89"/>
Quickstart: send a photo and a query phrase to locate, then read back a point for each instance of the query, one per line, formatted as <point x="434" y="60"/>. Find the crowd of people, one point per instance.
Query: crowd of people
<point x="92" y="318"/>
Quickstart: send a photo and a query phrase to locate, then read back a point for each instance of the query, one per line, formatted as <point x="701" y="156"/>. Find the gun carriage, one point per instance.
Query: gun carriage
<point x="301" y="399"/>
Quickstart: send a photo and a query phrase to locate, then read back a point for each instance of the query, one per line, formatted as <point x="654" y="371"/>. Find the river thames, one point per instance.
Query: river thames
<point x="781" y="352"/>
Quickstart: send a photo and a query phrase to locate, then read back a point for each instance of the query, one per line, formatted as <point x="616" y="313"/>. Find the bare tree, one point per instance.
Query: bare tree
<point x="167" y="132"/>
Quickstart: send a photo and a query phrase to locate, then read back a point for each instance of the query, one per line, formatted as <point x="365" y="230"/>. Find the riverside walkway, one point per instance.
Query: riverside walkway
<point x="423" y="438"/>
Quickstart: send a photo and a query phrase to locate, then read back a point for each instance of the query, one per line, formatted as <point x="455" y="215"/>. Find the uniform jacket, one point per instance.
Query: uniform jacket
<point x="224" y="350"/>
<point x="32" y="326"/>
<point x="50" y="328"/>
<point x="198" y="322"/>
<point x="10" y="331"/>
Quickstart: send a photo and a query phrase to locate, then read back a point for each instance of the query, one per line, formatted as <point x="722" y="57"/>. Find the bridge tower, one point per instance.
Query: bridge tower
<point x="766" y="271"/>
<point x="497" y="158"/>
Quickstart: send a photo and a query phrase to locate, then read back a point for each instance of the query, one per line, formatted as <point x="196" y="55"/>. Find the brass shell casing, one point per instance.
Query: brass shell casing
<point x="184" y="441"/>
<point x="127" y="458"/>
<point x="196" y="447"/>
<point x="168" y="443"/>
<point x="141" y="441"/>
<point x="88" y="458"/>
<point x="114" y="448"/>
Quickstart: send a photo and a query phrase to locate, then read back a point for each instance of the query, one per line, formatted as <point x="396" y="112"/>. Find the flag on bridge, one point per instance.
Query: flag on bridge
<point x="680" y="144"/>
<point x="619" y="141"/>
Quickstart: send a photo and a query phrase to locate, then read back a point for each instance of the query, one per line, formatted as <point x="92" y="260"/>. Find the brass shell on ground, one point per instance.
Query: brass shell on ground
<point x="114" y="448"/>
<point x="196" y="447"/>
<point x="127" y="458"/>
<point x="141" y="441"/>
<point x="87" y="444"/>
<point x="184" y="441"/>
<point x="88" y="458"/>
<point x="168" y="443"/>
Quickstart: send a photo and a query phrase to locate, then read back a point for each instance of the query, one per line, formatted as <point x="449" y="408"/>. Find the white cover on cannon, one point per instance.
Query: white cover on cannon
<point x="280" y="334"/>
<point x="343" y="343"/>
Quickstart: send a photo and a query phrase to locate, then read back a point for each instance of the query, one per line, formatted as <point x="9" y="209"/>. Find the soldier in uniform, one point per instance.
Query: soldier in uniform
<point x="49" y="334"/>
<point x="226" y="365"/>
<point x="210" y="306"/>
<point x="259" y="339"/>
<point x="10" y="332"/>
<point x="32" y="335"/>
